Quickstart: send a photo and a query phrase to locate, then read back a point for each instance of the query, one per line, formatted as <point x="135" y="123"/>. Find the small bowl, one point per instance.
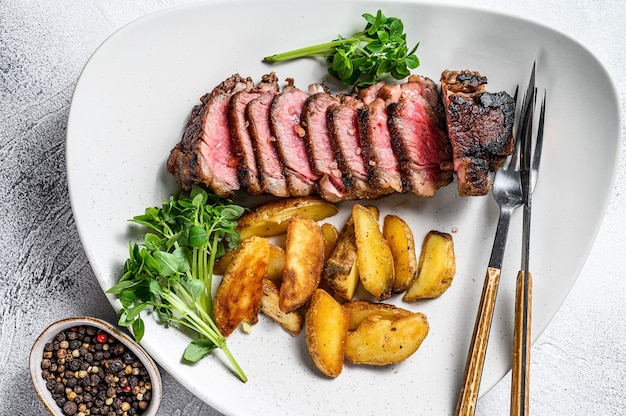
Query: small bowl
<point x="48" y="335"/>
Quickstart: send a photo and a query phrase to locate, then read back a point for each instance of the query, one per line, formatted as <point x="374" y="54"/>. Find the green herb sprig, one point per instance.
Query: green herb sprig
<point x="172" y="270"/>
<point x="365" y="57"/>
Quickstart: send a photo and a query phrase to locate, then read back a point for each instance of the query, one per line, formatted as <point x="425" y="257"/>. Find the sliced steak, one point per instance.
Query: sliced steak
<point x="248" y="172"/>
<point x="480" y="125"/>
<point x="240" y="133"/>
<point x="206" y="155"/>
<point x="344" y="134"/>
<point x="380" y="160"/>
<point x="418" y="134"/>
<point x="369" y="94"/>
<point x="330" y="185"/>
<point x="270" y="168"/>
<point x="285" y="116"/>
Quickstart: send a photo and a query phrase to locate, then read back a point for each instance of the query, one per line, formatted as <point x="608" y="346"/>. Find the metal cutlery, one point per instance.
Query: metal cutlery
<point x="523" y="292"/>
<point x="507" y="191"/>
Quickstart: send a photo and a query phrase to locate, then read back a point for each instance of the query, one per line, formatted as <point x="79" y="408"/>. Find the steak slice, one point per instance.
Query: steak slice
<point x="344" y="134"/>
<point x="270" y="168"/>
<point x="317" y="139"/>
<point x="380" y="160"/>
<point x="240" y="134"/>
<point x="285" y="116"/>
<point x="248" y="172"/>
<point x="206" y="155"/>
<point x="417" y="128"/>
<point x="369" y="94"/>
<point x="480" y="125"/>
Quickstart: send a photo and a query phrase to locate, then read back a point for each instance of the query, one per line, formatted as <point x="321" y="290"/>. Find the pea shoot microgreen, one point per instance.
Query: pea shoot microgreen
<point x="365" y="57"/>
<point x="171" y="271"/>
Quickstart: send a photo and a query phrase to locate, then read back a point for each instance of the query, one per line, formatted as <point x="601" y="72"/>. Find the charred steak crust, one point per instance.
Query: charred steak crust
<point x="480" y="126"/>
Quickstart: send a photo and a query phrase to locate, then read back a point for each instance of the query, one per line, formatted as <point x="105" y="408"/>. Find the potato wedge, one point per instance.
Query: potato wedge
<point x="271" y="218"/>
<point x="373" y="255"/>
<point x="274" y="268"/>
<point x="380" y="341"/>
<point x="304" y="261"/>
<point x="238" y="297"/>
<point x="291" y="322"/>
<point x="359" y="310"/>
<point x="437" y="267"/>
<point x="222" y="263"/>
<point x="402" y="244"/>
<point x="326" y="328"/>
<point x="331" y="234"/>
<point x="276" y="264"/>
<point x="340" y="271"/>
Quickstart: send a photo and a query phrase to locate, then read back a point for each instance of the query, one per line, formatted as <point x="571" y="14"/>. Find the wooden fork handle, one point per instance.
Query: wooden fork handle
<point x="468" y="395"/>
<point x="521" y="346"/>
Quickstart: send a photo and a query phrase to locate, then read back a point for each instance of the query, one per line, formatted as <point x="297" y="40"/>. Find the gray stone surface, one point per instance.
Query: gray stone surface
<point x="578" y="364"/>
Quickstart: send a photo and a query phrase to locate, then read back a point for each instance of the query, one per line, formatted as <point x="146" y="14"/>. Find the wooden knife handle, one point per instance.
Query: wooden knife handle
<point x="478" y="346"/>
<point x="521" y="346"/>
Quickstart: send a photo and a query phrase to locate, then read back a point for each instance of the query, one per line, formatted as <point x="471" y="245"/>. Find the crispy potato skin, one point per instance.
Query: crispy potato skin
<point x="373" y="255"/>
<point x="304" y="261"/>
<point x="402" y="244"/>
<point x="340" y="271"/>
<point x="326" y="328"/>
<point x="291" y="322"/>
<point x="271" y="218"/>
<point x="379" y="341"/>
<point x="437" y="267"/>
<point x="238" y="297"/>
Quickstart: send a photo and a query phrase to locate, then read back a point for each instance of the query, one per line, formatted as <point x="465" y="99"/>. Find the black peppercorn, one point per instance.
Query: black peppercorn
<point x="88" y="372"/>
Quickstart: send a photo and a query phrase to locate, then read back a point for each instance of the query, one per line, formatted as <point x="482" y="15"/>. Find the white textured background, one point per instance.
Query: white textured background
<point x="578" y="364"/>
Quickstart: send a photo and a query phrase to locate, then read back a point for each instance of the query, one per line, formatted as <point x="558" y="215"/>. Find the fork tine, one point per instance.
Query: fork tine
<point x="538" y="144"/>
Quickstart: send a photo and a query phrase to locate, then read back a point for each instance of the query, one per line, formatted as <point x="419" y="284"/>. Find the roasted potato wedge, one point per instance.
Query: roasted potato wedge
<point x="222" y="263"/>
<point x="437" y="267"/>
<point x="304" y="261"/>
<point x="340" y="271"/>
<point x="359" y="310"/>
<point x="238" y="297"/>
<point x="274" y="268"/>
<point x="271" y="218"/>
<point x="326" y="328"/>
<point x="380" y="341"/>
<point x="291" y="322"/>
<point x="276" y="264"/>
<point x="402" y="244"/>
<point x="373" y="255"/>
<point x="331" y="234"/>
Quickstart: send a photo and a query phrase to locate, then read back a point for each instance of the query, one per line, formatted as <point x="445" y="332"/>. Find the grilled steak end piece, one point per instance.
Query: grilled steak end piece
<point x="205" y="155"/>
<point x="480" y="126"/>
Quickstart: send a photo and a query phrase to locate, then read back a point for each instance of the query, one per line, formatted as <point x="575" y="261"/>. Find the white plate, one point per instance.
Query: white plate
<point x="136" y="93"/>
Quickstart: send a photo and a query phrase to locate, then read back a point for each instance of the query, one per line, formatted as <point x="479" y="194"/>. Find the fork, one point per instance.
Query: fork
<point x="507" y="191"/>
<point x="523" y="285"/>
